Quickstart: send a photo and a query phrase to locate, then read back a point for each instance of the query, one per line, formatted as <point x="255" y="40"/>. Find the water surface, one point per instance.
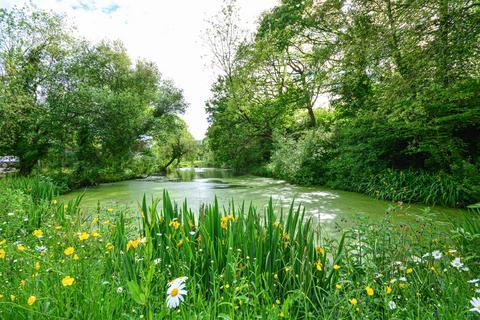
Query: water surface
<point x="200" y="185"/>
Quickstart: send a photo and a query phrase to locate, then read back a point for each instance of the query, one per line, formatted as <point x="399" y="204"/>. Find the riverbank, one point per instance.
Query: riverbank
<point x="61" y="260"/>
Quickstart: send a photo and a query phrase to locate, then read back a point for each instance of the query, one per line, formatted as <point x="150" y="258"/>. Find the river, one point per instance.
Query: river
<point x="200" y="185"/>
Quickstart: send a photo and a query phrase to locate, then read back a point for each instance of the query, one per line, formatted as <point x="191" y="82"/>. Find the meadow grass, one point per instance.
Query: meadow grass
<point x="63" y="262"/>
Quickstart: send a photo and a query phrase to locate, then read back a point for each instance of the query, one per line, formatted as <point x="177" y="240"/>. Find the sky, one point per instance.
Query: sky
<point x="167" y="32"/>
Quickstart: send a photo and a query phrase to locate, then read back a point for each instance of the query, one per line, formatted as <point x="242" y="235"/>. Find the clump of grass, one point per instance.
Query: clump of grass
<point x="240" y="262"/>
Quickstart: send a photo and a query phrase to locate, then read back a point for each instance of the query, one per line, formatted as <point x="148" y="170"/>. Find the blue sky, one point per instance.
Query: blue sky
<point x="168" y="32"/>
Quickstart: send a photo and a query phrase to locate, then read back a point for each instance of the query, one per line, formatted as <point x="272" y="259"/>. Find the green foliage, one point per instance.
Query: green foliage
<point x="240" y="263"/>
<point x="399" y="80"/>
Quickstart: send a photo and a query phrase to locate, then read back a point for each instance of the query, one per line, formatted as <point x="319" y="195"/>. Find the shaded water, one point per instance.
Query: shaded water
<point x="201" y="185"/>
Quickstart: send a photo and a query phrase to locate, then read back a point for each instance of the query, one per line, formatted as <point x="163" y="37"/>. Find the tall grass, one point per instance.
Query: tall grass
<point x="40" y="188"/>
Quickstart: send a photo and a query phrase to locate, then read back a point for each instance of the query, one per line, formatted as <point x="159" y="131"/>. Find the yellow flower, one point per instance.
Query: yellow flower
<point x="277" y="301"/>
<point x="109" y="246"/>
<point x="31" y="300"/>
<point x="83" y="236"/>
<point x="65" y="207"/>
<point x="320" y="250"/>
<point x="23" y="282"/>
<point x="69" y="251"/>
<point x="110" y="210"/>
<point x="95" y="220"/>
<point x="174" y="224"/>
<point x="353" y="301"/>
<point x="75" y="257"/>
<point x="95" y="234"/>
<point x="1" y="296"/>
<point x="12" y="297"/>
<point x="318" y="265"/>
<point x="402" y="285"/>
<point x="37" y="233"/>
<point x="409" y="270"/>
<point x="67" y="281"/>
<point x="180" y="243"/>
<point x="37" y="265"/>
<point x="54" y="201"/>
<point x="106" y="222"/>
<point x="370" y="291"/>
<point x="133" y="244"/>
<point x="2" y="253"/>
<point x="227" y="286"/>
<point x="336" y="267"/>
<point x="3" y="242"/>
<point x="388" y="290"/>
<point x="225" y="219"/>
<point x="21" y="247"/>
<point x="338" y="286"/>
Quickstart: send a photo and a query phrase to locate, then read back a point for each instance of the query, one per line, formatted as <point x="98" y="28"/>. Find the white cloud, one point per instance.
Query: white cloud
<point x="166" y="32"/>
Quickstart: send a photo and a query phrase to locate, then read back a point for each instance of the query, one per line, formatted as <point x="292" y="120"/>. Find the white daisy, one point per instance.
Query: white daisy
<point x="473" y="281"/>
<point x="456" y="263"/>
<point x="176" y="292"/>
<point x="403" y="279"/>
<point x="436" y="254"/>
<point x="392" y="305"/>
<point x="476" y="305"/>
<point x="157" y="261"/>
<point x="416" y="259"/>
<point x="119" y="290"/>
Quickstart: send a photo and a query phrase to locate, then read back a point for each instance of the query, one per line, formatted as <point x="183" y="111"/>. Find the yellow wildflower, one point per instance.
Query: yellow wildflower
<point x="338" y="286"/>
<point x="388" y="290"/>
<point x="180" y="243"/>
<point x="353" y="301"/>
<point x="37" y="265"/>
<point x="320" y="250"/>
<point x="83" y="236"/>
<point x="409" y="270"/>
<point x="37" y="233"/>
<point x="95" y="234"/>
<point x="318" y="265"/>
<point x="370" y="291"/>
<point x="12" y="297"/>
<point x="336" y="267"/>
<point x="95" y="220"/>
<point x="69" y="251"/>
<point x="21" y="247"/>
<point x="110" y="210"/>
<point x="3" y="242"/>
<point x="402" y="285"/>
<point x="225" y="220"/>
<point x="23" y="282"/>
<point x="174" y="224"/>
<point x="133" y="244"/>
<point x="54" y="201"/>
<point x="31" y="300"/>
<point x="277" y="301"/>
<point x="67" y="281"/>
<point x="3" y="253"/>
<point x="75" y="257"/>
<point x="109" y="246"/>
<point x="106" y="222"/>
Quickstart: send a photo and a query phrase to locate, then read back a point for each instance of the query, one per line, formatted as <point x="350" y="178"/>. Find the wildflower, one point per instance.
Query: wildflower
<point x="109" y="246"/>
<point x="403" y="279"/>
<point x="392" y="305"/>
<point x="225" y="220"/>
<point x="106" y="222"/>
<point x="110" y="210"/>
<point x="277" y="301"/>
<point x="456" y="263"/>
<point x="23" y="282"/>
<point x="388" y="290"/>
<point x="336" y="267"/>
<point x="31" y="300"/>
<point x="319" y="265"/>
<point x="75" y="257"/>
<point x="338" y="286"/>
<point x="12" y="297"/>
<point x="353" y="301"/>
<point x="83" y="236"/>
<point x="402" y="285"/>
<point x="370" y="291"/>
<point x="2" y="253"/>
<point x="54" y="201"/>
<point x="409" y="270"/>
<point x="476" y="305"/>
<point x="174" y="224"/>
<point x="69" y="251"/>
<point x="436" y="254"/>
<point x="175" y="292"/>
<point x="320" y="250"/>
<point x="38" y="233"/>
<point x="180" y="243"/>
<point x="119" y="290"/>
<point x="21" y="248"/>
<point x="416" y="259"/>
<point x="95" y="234"/>
<point x="473" y="281"/>
<point x="133" y="244"/>
<point x="68" y="281"/>
<point x="41" y="249"/>
<point x="37" y="265"/>
<point x="157" y="261"/>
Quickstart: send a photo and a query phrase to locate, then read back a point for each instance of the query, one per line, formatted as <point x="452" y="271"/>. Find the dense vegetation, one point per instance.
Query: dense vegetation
<point x="60" y="261"/>
<point x="82" y="112"/>
<point x="380" y="97"/>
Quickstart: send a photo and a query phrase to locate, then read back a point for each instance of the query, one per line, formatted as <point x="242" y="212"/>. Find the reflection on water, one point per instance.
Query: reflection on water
<point x="202" y="185"/>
